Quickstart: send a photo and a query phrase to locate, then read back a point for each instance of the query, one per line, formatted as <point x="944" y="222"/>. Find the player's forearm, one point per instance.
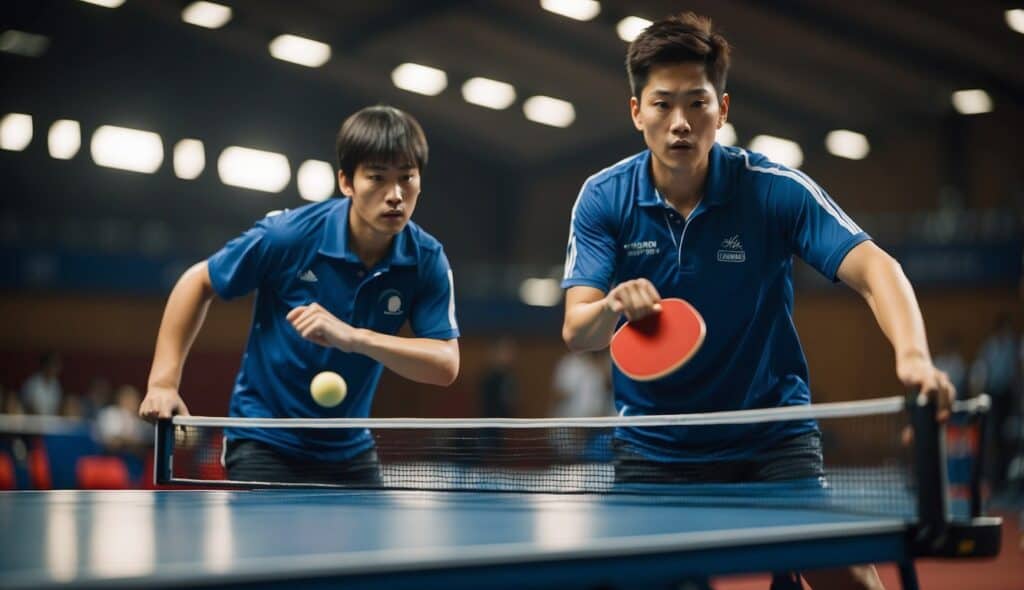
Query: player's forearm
<point x="892" y="300"/>
<point x="183" y="317"/>
<point x="588" y="326"/>
<point x="425" y="360"/>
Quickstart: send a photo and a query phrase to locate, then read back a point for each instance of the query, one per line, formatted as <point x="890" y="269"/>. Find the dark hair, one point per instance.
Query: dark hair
<point x="677" y="39"/>
<point x="380" y="134"/>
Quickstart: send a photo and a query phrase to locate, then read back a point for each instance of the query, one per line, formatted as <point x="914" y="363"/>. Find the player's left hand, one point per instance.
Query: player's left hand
<point x="316" y="324"/>
<point x="917" y="373"/>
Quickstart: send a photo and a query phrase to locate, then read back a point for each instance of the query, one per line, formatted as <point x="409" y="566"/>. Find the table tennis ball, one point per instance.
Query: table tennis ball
<point x="328" y="389"/>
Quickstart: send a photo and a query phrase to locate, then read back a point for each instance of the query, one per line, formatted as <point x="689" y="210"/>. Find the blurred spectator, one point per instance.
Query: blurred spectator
<point x="1020" y="284"/>
<point x="948" y="358"/>
<point x="942" y="225"/>
<point x="119" y="425"/>
<point x="41" y="393"/>
<point x="499" y="388"/>
<point x="9" y="402"/>
<point x="97" y="397"/>
<point x="583" y="384"/>
<point x="1015" y="426"/>
<point x="71" y="406"/>
<point x="994" y="372"/>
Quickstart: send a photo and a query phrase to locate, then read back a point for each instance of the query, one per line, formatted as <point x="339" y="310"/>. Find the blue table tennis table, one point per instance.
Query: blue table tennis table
<point x="411" y="539"/>
<point x="645" y="536"/>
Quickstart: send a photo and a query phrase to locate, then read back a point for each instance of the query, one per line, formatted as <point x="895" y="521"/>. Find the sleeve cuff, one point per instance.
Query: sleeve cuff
<point x="443" y="335"/>
<point x="585" y="283"/>
<point x="834" y="261"/>
<point x="217" y="281"/>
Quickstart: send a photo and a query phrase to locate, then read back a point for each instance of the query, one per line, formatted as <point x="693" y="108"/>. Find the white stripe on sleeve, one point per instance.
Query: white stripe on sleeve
<point x="813" y="189"/>
<point x="451" y="301"/>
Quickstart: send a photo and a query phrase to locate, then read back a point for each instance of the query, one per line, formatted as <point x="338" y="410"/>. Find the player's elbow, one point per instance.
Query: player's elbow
<point x="449" y="379"/>
<point x="448" y="369"/>
<point x="449" y="374"/>
<point x="568" y="335"/>
<point x="573" y="339"/>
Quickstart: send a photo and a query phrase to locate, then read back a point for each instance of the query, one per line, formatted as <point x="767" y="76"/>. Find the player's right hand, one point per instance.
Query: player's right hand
<point x="162" y="402"/>
<point x="314" y="323"/>
<point x="635" y="299"/>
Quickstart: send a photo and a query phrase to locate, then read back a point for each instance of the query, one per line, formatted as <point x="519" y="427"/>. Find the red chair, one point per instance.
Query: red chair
<point x="209" y="462"/>
<point x="97" y="472"/>
<point x="146" y="481"/>
<point x="39" y="467"/>
<point x="8" y="480"/>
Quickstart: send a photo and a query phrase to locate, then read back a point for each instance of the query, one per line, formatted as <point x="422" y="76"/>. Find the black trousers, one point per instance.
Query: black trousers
<point x="249" y="460"/>
<point x="799" y="457"/>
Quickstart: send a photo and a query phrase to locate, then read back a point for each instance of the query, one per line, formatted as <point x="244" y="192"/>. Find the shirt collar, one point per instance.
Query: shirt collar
<point x="403" y="250"/>
<point x="717" y="187"/>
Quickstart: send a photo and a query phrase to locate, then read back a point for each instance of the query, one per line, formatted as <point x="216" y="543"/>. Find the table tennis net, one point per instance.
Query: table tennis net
<point x="867" y="461"/>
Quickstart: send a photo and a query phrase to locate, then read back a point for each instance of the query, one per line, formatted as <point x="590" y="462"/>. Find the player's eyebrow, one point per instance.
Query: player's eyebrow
<point x="691" y="92"/>
<point x="382" y="167"/>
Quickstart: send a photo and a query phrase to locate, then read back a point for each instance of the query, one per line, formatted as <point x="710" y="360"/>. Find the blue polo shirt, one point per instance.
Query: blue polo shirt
<point x="732" y="259"/>
<point x="303" y="256"/>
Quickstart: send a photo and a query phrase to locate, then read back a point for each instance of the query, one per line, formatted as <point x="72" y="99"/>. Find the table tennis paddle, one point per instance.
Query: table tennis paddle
<point x="654" y="346"/>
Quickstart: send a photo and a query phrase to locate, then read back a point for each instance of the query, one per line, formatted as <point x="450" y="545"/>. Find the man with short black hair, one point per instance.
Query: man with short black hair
<point x="334" y="282"/>
<point x="719" y="227"/>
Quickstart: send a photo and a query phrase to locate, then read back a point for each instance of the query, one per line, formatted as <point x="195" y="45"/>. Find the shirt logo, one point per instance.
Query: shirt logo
<point x="392" y="301"/>
<point x="642" y="248"/>
<point x="307" y="276"/>
<point x="731" y="250"/>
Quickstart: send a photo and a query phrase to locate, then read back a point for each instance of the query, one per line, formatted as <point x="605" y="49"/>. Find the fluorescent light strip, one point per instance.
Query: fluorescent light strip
<point x="105" y="3"/>
<point x="420" y="79"/>
<point x="316" y="180"/>
<point x="972" y="102"/>
<point x="127" y="149"/>
<point x="582" y="10"/>
<point x="630" y="28"/>
<point x="540" y="292"/>
<point x="726" y="135"/>
<point x="23" y="44"/>
<point x="779" y="150"/>
<point x="549" y="111"/>
<point x="15" y="131"/>
<point x="64" y="139"/>
<point x="299" y="50"/>
<point x="206" y="14"/>
<point x="489" y="93"/>
<point x="847" y="144"/>
<point x="189" y="159"/>
<point x="1015" y="19"/>
<point x="253" y="169"/>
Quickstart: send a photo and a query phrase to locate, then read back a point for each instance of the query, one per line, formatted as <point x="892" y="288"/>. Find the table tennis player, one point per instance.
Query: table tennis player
<point x="334" y="282"/>
<point x="718" y="226"/>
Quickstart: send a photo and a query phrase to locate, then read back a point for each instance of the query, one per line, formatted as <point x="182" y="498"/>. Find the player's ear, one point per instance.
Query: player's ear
<point x="634" y="112"/>
<point x="723" y="110"/>
<point x="345" y="184"/>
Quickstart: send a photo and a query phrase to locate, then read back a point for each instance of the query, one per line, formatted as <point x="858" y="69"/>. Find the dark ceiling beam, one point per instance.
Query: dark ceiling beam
<point x="544" y="29"/>
<point x="271" y="18"/>
<point x="813" y="113"/>
<point x="358" y="78"/>
<point x="955" y="68"/>
<point x="409" y="13"/>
